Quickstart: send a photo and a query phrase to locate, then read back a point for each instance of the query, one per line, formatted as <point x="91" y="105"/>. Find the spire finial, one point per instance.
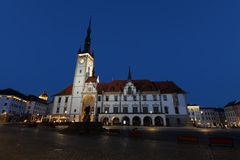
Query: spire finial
<point x="129" y="74"/>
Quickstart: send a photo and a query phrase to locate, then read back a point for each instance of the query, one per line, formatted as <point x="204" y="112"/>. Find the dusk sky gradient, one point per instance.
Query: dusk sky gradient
<point x="196" y="44"/>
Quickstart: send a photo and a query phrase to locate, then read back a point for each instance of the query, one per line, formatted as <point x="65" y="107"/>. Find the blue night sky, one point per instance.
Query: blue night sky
<point x="193" y="43"/>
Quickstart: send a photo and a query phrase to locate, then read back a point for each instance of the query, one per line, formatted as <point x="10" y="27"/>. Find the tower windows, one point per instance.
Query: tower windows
<point x="59" y="99"/>
<point x="75" y="110"/>
<point x="66" y="99"/>
<point x="99" y="98"/>
<point x="80" y="71"/>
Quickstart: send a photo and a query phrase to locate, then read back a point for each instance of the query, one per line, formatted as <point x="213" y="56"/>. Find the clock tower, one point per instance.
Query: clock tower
<point x="84" y="68"/>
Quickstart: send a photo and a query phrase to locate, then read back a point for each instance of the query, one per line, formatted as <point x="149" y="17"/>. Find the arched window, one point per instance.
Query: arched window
<point x="129" y="90"/>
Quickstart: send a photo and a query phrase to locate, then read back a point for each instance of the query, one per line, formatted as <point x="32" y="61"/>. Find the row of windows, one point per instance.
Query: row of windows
<point x="135" y="110"/>
<point x="144" y="98"/>
<point x="60" y="99"/>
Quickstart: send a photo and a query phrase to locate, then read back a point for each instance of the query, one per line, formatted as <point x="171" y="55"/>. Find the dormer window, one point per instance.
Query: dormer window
<point x="129" y="91"/>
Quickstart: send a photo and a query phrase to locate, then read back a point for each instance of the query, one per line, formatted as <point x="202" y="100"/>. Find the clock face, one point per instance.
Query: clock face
<point x="81" y="60"/>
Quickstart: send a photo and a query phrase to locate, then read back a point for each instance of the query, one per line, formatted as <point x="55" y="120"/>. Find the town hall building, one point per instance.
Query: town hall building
<point x="119" y="102"/>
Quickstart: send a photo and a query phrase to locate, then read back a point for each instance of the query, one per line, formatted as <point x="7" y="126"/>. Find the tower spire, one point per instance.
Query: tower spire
<point x="93" y="72"/>
<point x="129" y="74"/>
<point x="87" y="44"/>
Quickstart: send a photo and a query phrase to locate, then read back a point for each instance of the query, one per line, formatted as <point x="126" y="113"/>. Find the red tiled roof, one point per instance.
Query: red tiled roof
<point x="168" y="87"/>
<point x="92" y="79"/>
<point x="141" y="85"/>
<point x="66" y="91"/>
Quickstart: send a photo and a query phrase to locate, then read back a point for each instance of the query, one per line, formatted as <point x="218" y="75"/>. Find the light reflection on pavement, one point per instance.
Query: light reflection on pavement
<point x="46" y="144"/>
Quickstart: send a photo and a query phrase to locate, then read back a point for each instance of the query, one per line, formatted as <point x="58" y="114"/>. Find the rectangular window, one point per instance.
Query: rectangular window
<point x="145" y="109"/>
<point x="66" y="99"/>
<point x="166" y="109"/>
<point x="135" y="98"/>
<point x="99" y="98"/>
<point x="135" y="110"/>
<point x="98" y="110"/>
<point x="106" y="109"/>
<point x="107" y="98"/>
<point x="59" y="99"/>
<point x="154" y="97"/>
<point x="125" y="109"/>
<point x="144" y="97"/>
<point x="165" y="97"/>
<point x="155" y="110"/>
<point x="115" y="109"/>
<point x="176" y="110"/>
<point x="116" y="98"/>
<point x="57" y="110"/>
<point x="125" y="98"/>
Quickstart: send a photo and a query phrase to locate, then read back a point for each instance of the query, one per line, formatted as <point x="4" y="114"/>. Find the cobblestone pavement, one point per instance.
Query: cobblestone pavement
<point x="47" y="144"/>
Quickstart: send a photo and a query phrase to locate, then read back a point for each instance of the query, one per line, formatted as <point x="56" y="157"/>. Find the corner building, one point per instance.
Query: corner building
<point x="119" y="102"/>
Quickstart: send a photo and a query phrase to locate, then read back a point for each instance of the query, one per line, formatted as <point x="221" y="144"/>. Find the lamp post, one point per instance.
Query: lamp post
<point x="151" y="117"/>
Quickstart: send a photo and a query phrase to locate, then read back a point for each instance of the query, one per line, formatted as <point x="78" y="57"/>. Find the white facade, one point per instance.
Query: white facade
<point x="17" y="106"/>
<point x="120" y="101"/>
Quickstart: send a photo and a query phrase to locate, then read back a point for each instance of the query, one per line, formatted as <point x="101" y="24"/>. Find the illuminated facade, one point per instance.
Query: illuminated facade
<point x="194" y="114"/>
<point x="15" y="106"/>
<point x="125" y="102"/>
<point x="232" y="113"/>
